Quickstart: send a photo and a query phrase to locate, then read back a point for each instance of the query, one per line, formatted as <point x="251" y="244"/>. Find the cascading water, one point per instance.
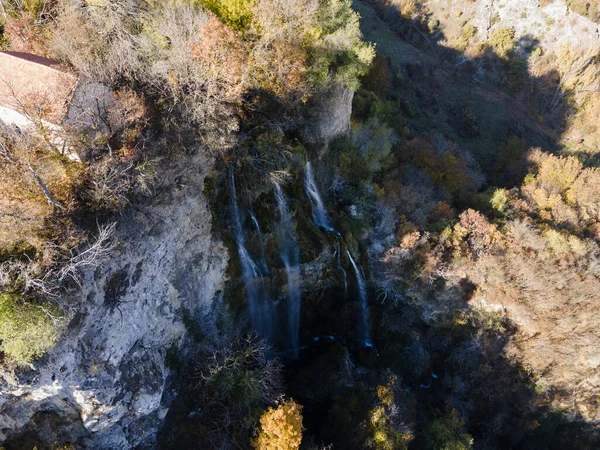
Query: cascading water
<point x="318" y="208"/>
<point x="364" y="307"/>
<point x="263" y="261"/>
<point x="259" y="305"/>
<point x="320" y="216"/>
<point x="341" y="268"/>
<point x="290" y="257"/>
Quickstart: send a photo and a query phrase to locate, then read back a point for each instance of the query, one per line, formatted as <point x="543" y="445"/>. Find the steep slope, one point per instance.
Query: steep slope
<point x="105" y="384"/>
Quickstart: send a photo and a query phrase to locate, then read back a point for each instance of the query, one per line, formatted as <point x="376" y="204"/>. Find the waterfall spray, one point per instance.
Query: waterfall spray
<point x="260" y="307"/>
<point x="291" y="259"/>
<point x="364" y="307"/>
<point x="263" y="261"/>
<point x="341" y="268"/>
<point x="319" y="213"/>
<point x="321" y="218"/>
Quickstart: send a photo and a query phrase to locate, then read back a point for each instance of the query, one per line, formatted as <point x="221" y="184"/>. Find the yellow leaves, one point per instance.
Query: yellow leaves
<point x="173" y="79"/>
<point x="545" y="200"/>
<point x="235" y="13"/>
<point x="558" y="174"/>
<point x="562" y="244"/>
<point x="365" y="53"/>
<point x="563" y="191"/>
<point x="383" y="433"/>
<point x="385" y="394"/>
<point x="499" y="199"/>
<point x="578" y="247"/>
<point x="377" y="415"/>
<point x="460" y="321"/>
<point x="407" y="7"/>
<point x="281" y="428"/>
<point x="410" y="240"/>
<point x="585" y="193"/>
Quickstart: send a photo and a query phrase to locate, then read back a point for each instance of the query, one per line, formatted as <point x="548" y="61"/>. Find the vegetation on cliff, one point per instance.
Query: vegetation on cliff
<point x="465" y="190"/>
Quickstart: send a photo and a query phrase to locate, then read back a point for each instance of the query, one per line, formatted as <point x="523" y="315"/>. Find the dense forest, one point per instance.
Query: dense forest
<point x="310" y="224"/>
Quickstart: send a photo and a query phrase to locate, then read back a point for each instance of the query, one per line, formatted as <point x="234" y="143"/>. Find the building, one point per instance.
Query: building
<point x="34" y="89"/>
<point x="37" y="94"/>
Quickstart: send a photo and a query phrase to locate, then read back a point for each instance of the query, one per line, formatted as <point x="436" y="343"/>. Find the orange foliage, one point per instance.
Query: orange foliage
<point x="25" y="36"/>
<point x="446" y="167"/>
<point x="223" y="53"/>
<point x="282" y="69"/>
<point x="474" y="230"/>
<point x="563" y="191"/>
<point x="281" y="428"/>
<point x="128" y="115"/>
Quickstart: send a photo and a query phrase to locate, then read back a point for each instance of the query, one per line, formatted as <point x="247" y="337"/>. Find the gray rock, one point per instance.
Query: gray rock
<point x="103" y="384"/>
<point x="330" y="117"/>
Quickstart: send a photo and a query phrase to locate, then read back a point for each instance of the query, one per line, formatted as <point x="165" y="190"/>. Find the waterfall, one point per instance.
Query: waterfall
<point x="290" y="257"/>
<point x="341" y="268"/>
<point x="364" y="307"/>
<point x="260" y="307"/>
<point x="263" y="261"/>
<point x="321" y="218"/>
<point x="319" y="212"/>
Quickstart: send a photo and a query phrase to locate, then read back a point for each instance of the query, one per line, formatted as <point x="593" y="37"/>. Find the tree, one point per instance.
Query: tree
<point x="235" y="13"/>
<point x="281" y="428"/>
<point x="447" y="433"/>
<point x="27" y="330"/>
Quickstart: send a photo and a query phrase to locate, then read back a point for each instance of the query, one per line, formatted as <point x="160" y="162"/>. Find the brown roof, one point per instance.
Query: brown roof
<point x="35" y="85"/>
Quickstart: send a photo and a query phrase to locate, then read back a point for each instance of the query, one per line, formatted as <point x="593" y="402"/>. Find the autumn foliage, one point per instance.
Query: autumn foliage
<point x="281" y="428"/>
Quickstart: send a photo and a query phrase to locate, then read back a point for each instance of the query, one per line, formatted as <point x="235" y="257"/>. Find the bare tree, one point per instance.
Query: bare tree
<point x="9" y="155"/>
<point x="99" y="38"/>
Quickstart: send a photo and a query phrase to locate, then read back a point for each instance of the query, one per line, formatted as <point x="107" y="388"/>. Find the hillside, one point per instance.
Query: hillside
<point x="316" y="224"/>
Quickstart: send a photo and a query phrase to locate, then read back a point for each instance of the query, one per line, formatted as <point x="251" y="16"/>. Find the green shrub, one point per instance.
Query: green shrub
<point x="34" y="7"/>
<point x="503" y="40"/>
<point x="447" y="433"/>
<point x="374" y="141"/>
<point x="27" y="330"/>
<point x="433" y="25"/>
<point x="468" y="32"/>
<point x="235" y="13"/>
<point x="499" y="200"/>
<point x="336" y="40"/>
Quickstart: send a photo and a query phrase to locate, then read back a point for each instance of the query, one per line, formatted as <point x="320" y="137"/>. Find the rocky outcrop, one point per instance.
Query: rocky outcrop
<point x="104" y="385"/>
<point x="330" y="116"/>
<point x="551" y="25"/>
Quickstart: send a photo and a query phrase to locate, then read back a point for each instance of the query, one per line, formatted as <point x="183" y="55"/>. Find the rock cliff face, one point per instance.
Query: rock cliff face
<point x="331" y="115"/>
<point x="551" y="24"/>
<point x="104" y="384"/>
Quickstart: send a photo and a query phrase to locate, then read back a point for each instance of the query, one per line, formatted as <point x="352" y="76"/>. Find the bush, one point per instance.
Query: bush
<point x="328" y="31"/>
<point x="447" y="433"/>
<point x="386" y="428"/>
<point x="468" y="32"/>
<point x="235" y="13"/>
<point x="281" y="428"/>
<point x="374" y="141"/>
<point x="503" y="40"/>
<point x="27" y="330"/>
<point x="563" y="191"/>
<point x="433" y="25"/>
<point x="499" y="200"/>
